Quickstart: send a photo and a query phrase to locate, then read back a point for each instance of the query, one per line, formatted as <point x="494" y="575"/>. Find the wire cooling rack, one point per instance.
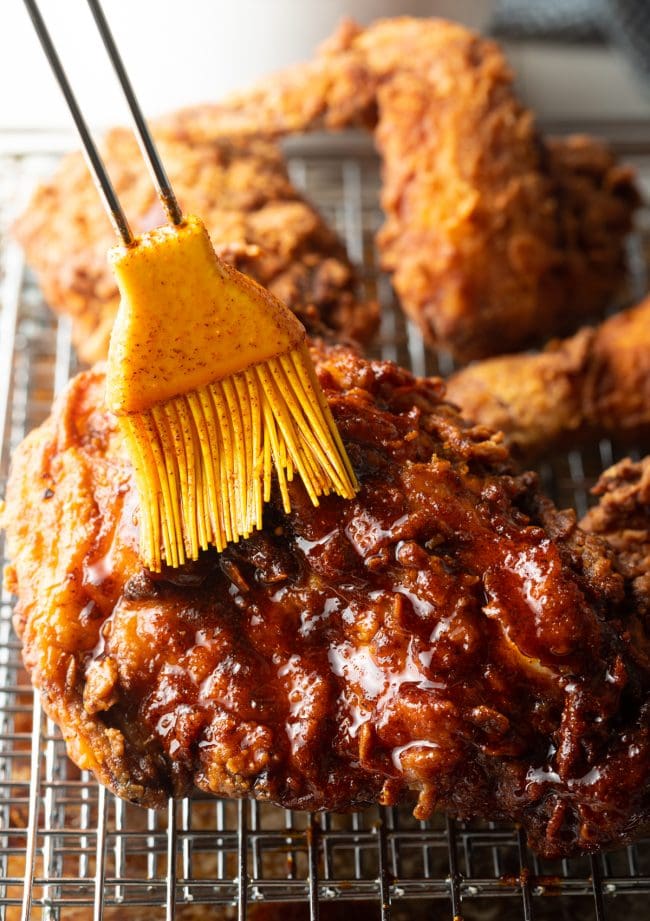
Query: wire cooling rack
<point x="70" y="850"/>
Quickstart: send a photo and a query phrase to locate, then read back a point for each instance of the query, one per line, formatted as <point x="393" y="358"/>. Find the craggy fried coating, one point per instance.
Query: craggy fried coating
<point x="448" y="634"/>
<point x="241" y="190"/>
<point x="494" y="237"/>
<point x="622" y="517"/>
<point x="595" y="383"/>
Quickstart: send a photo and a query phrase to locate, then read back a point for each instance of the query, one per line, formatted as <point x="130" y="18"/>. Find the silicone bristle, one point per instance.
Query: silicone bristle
<point x="204" y="461"/>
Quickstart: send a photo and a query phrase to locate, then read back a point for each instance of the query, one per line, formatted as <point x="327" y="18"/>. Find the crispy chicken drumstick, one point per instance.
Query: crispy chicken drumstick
<point x="447" y="635"/>
<point x="595" y="383"/>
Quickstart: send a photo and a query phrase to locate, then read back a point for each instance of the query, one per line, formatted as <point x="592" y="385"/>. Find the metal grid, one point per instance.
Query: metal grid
<point x="70" y="850"/>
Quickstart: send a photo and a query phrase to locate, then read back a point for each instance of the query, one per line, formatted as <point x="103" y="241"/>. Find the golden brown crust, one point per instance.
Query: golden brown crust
<point x="595" y="383"/>
<point x="255" y="216"/>
<point x="596" y="198"/>
<point x="413" y="640"/>
<point x="494" y="237"/>
<point x="622" y="517"/>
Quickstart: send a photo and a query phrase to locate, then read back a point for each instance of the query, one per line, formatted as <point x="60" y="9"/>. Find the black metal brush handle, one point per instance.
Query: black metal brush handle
<point x="147" y="146"/>
<point x="95" y="163"/>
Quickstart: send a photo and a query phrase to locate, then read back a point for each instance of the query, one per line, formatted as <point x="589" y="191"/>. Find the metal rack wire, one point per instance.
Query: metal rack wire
<point x="70" y="850"/>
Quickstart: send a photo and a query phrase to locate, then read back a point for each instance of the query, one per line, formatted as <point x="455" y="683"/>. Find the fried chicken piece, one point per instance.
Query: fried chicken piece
<point x="622" y="517"/>
<point x="494" y="237"/>
<point x="448" y="634"/>
<point x="255" y="216"/>
<point x="595" y="383"/>
<point x="597" y="197"/>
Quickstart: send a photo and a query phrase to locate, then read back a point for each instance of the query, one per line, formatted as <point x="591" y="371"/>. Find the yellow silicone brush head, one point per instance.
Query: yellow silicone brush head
<point x="214" y="388"/>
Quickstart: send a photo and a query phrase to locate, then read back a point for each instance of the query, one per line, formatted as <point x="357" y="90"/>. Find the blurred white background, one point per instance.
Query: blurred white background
<point x="185" y="51"/>
<point x="176" y="51"/>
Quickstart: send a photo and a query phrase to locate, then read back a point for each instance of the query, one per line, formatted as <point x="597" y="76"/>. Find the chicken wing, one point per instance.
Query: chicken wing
<point x="446" y="635"/>
<point x="255" y="216"/>
<point x="595" y="383"/>
<point x="494" y="237"/>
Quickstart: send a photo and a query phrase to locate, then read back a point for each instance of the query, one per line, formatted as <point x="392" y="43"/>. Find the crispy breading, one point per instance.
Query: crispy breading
<point x="494" y="236"/>
<point x="594" y="383"/>
<point x="622" y="517"/>
<point x="256" y="218"/>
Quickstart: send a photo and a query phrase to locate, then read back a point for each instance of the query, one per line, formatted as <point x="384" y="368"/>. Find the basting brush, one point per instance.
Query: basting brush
<point x="211" y="379"/>
<point x="209" y="374"/>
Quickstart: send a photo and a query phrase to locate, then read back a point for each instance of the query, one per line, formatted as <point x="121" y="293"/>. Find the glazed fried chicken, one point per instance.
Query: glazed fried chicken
<point x="256" y="218"/>
<point x="595" y="383"/>
<point x="447" y="635"/>
<point x="493" y="236"/>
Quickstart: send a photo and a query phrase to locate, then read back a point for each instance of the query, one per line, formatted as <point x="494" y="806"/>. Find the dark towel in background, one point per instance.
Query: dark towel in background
<point x="624" y="23"/>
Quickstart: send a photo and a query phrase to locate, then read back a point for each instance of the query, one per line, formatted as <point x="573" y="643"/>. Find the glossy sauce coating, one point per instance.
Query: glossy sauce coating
<point x="447" y="633"/>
